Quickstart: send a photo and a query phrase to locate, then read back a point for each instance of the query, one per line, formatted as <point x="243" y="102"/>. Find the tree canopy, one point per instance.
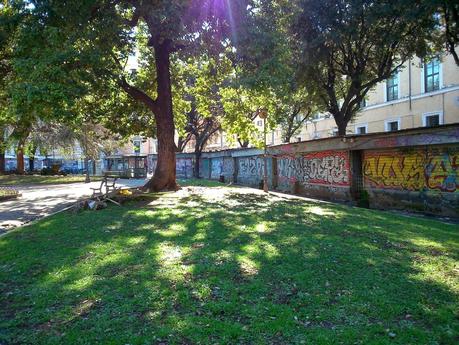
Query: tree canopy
<point x="346" y="47"/>
<point x="159" y="67"/>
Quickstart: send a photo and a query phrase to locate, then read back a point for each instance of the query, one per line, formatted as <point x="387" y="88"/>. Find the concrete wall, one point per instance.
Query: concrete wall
<point x="184" y="167"/>
<point x="412" y="169"/>
<point x="422" y="178"/>
<point x="324" y="174"/>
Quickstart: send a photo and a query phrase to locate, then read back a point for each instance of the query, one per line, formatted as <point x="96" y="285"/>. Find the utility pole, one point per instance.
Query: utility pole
<point x="263" y="114"/>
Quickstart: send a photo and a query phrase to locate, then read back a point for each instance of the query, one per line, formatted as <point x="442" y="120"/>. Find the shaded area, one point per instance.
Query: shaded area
<point x="230" y="265"/>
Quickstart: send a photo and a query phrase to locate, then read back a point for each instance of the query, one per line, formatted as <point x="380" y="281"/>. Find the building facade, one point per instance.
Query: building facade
<point x="420" y="94"/>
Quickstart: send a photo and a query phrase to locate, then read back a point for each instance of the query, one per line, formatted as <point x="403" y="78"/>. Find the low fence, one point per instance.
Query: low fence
<point x="8" y="193"/>
<point x="411" y="169"/>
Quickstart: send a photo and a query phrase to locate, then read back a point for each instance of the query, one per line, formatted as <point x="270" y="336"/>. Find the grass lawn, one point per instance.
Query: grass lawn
<point x="221" y="265"/>
<point x="38" y="179"/>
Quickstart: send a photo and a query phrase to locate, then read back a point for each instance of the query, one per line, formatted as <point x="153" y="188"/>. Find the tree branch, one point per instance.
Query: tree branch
<point x="138" y="95"/>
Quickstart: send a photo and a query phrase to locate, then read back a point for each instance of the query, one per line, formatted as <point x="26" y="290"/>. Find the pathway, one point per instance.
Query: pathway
<point x="42" y="200"/>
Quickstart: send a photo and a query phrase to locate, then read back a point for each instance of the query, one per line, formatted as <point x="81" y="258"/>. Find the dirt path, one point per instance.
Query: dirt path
<point x="41" y="200"/>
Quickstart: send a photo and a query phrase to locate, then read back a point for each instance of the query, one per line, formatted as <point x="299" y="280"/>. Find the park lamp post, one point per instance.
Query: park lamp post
<point x="263" y="114"/>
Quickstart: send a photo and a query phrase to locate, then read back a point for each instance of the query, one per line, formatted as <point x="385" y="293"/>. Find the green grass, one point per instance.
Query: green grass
<point x="199" y="183"/>
<point x="193" y="267"/>
<point x="42" y="180"/>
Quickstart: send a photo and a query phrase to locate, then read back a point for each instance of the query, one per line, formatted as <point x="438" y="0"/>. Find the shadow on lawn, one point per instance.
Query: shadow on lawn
<point x="246" y="270"/>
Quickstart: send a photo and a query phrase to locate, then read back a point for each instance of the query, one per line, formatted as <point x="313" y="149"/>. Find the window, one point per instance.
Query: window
<point x="363" y="103"/>
<point x="259" y="123"/>
<point x="361" y="129"/>
<point x="318" y="117"/>
<point x="432" y="75"/>
<point x="392" y="125"/>
<point x="432" y="119"/>
<point x="392" y="87"/>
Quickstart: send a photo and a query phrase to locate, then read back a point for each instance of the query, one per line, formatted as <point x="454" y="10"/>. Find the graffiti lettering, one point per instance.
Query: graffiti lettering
<point x="413" y="171"/>
<point x="250" y="166"/>
<point x="318" y="168"/>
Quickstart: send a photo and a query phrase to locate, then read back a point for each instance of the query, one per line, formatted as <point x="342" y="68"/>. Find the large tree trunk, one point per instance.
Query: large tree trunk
<point x="20" y="158"/>
<point x="22" y="134"/>
<point x="164" y="176"/>
<point x="341" y="123"/>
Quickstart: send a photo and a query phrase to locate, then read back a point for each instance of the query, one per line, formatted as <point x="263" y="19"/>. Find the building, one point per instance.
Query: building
<point x="421" y="94"/>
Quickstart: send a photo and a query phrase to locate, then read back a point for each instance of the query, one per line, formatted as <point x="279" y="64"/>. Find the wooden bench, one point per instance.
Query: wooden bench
<point x="106" y="189"/>
<point x="114" y="173"/>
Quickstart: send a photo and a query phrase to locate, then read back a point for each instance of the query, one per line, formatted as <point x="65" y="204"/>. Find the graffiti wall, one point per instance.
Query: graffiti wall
<point x="413" y="170"/>
<point x="204" y="168"/>
<point x="228" y="169"/>
<point x="184" y="167"/>
<point x="329" y="168"/>
<point x="324" y="174"/>
<point x="423" y="179"/>
<point x="216" y="168"/>
<point x="250" y="170"/>
<point x="422" y="169"/>
<point x="222" y="166"/>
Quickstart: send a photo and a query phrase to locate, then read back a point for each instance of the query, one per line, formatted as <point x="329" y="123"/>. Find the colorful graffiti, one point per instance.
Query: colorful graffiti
<point x="431" y="169"/>
<point x="328" y="167"/>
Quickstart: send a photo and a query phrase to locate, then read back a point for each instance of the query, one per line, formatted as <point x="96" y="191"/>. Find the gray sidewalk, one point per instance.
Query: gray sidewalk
<point x="41" y="200"/>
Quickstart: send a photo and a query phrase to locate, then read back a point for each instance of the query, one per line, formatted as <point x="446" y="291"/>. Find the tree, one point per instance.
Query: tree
<point x="19" y="136"/>
<point x="266" y="67"/>
<point x="93" y="139"/>
<point x="10" y="18"/>
<point x="347" y="47"/>
<point x="292" y="113"/>
<point x="98" y="36"/>
<point x="446" y="35"/>
<point x="185" y="22"/>
<point x="240" y="104"/>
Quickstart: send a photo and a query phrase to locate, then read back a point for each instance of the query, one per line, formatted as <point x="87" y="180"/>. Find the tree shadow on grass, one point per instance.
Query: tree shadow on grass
<point x="246" y="269"/>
